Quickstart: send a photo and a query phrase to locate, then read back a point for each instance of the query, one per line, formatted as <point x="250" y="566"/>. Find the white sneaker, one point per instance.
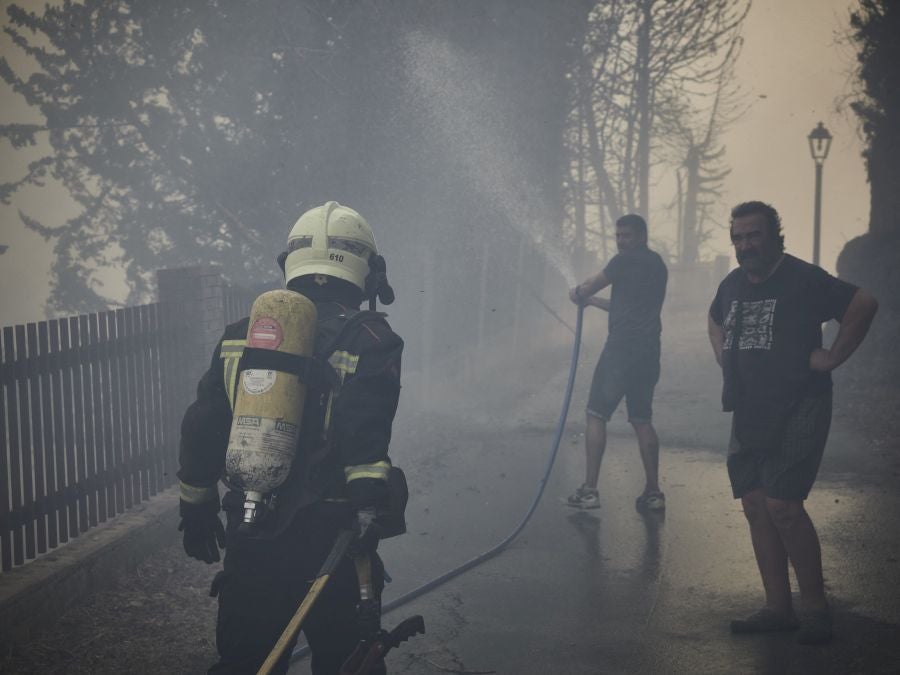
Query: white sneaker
<point x="585" y="498"/>
<point x="650" y="501"/>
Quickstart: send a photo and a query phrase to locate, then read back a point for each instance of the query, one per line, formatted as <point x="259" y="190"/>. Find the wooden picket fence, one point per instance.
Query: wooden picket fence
<point x="89" y="409"/>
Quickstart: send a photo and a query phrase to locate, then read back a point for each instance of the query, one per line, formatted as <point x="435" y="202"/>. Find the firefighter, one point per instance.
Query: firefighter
<point x="341" y="476"/>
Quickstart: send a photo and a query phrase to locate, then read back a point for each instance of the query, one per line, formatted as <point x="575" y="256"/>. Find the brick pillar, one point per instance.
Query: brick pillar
<point x="193" y="296"/>
<point x="193" y="316"/>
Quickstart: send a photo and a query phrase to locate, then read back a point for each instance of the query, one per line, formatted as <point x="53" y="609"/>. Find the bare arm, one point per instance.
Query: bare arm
<point x="602" y="303"/>
<point x="854" y="326"/>
<point x="716" y="338"/>
<point x="587" y="288"/>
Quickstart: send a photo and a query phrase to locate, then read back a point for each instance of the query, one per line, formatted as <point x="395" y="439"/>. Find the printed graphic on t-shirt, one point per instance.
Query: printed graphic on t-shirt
<point x="757" y="319"/>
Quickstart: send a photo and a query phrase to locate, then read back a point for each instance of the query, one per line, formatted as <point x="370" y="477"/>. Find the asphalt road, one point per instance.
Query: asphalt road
<point x="611" y="590"/>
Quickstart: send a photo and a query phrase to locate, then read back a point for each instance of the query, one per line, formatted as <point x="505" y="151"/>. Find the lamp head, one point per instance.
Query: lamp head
<point x="819" y="143"/>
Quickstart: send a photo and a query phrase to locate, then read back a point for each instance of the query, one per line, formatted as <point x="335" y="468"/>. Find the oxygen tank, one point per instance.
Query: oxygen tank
<point x="269" y="404"/>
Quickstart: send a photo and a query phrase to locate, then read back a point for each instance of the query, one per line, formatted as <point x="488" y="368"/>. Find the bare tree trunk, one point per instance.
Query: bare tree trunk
<point x="643" y="107"/>
<point x="607" y="190"/>
<point x="679" y="235"/>
<point x="691" y="237"/>
<point x="580" y="216"/>
<point x="604" y="234"/>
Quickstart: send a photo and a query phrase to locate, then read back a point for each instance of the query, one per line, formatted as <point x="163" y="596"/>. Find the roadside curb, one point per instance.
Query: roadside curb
<point x="34" y="595"/>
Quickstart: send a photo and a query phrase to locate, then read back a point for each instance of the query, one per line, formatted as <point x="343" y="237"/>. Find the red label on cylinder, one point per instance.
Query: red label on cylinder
<point x="265" y="333"/>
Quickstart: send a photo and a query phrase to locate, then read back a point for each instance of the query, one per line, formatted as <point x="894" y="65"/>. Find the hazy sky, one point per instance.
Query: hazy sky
<point x="797" y="56"/>
<point x="796" y="68"/>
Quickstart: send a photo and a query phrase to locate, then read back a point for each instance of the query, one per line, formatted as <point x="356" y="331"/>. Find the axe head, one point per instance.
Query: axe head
<point x="369" y="652"/>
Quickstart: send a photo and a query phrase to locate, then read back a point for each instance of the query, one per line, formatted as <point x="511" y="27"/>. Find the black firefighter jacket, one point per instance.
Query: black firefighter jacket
<point x="355" y="417"/>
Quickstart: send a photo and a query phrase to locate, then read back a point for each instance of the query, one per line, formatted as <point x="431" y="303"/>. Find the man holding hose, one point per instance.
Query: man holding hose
<point x="629" y="364"/>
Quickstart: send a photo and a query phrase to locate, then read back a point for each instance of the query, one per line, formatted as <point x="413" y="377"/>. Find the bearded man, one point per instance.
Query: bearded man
<point x="765" y="326"/>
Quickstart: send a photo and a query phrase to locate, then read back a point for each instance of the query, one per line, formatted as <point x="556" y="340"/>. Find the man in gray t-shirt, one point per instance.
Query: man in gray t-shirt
<point x="629" y="364"/>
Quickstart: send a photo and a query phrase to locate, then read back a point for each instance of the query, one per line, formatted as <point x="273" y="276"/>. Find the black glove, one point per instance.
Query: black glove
<point x="204" y="533"/>
<point x="367" y="532"/>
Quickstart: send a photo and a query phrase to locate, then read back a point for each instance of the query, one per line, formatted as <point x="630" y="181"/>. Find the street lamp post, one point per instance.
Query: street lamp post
<point x="819" y="145"/>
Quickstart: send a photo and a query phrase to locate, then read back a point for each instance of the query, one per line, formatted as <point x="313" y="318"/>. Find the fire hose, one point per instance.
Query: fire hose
<point x="542" y="484"/>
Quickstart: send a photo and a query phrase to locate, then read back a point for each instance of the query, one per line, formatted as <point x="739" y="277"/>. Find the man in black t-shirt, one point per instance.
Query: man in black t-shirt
<point x="629" y="363"/>
<point x="765" y="326"/>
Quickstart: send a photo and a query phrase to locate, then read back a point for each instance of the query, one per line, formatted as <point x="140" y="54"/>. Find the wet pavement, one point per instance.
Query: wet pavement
<point x="612" y="590"/>
<point x="605" y="591"/>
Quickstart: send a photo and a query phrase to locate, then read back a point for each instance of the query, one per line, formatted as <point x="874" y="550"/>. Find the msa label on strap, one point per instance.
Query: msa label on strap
<point x="256" y="382"/>
<point x="267" y="436"/>
<point x="260" y="450"/>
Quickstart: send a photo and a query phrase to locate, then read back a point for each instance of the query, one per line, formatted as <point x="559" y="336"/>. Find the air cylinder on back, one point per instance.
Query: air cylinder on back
<point x="269" y="403"/>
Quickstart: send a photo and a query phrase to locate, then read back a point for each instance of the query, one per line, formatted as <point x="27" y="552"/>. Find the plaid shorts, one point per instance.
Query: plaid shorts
<point x="787" y="469"/>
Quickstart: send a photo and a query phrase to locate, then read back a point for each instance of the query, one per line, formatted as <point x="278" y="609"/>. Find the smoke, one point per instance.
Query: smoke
<point x="470" y="128"/>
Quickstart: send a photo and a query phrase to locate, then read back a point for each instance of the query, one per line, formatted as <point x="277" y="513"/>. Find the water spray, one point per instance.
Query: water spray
<point x="474" y="133"/>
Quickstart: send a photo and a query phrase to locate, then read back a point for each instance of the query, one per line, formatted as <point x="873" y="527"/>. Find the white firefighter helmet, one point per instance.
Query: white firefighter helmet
<point x="332" y="240"/>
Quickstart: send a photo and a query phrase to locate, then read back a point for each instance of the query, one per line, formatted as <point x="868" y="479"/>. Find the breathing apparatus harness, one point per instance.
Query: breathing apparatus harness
<point x="316" y="371"/>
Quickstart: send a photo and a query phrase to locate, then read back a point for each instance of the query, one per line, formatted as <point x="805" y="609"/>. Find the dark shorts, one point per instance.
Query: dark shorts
<point x="788" y="469"/>
<point x="627" y="371"/>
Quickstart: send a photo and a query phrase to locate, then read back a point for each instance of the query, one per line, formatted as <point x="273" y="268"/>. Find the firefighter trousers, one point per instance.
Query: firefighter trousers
<point x="265" y="580"/>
